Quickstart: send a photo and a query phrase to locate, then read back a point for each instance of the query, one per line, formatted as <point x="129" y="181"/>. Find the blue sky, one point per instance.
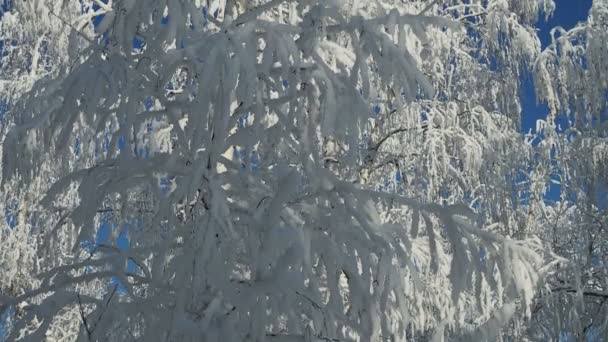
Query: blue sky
<point x="568" y="13"/>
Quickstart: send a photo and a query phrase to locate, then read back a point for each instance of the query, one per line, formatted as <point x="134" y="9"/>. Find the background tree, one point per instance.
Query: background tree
<point x="570" y="75"/>
<point x="38" y="40"/>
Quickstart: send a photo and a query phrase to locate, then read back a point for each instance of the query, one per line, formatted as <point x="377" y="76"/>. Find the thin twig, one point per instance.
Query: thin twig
<point x="72" y="27"/>
<point x="84" y="319"/>
<point x="106" y="307"/>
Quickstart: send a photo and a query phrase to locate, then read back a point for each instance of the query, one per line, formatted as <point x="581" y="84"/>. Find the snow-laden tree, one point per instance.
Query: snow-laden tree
<point x="283" y="170"/>
<point x="571" y="75"/>
<point x="38" y="39"/>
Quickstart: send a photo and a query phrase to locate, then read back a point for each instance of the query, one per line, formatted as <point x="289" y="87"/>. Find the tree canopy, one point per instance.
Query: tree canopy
<point x="301" y="170"/>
